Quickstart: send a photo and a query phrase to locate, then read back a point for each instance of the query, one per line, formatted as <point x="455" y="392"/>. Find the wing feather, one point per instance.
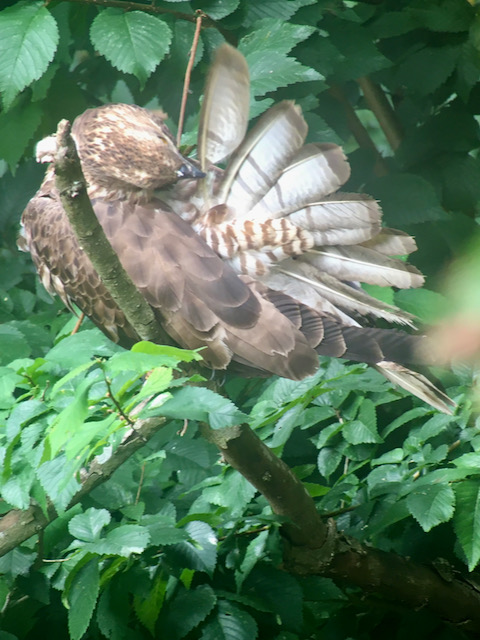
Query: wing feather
<point x="260" y="159"/>
<point x="362" y="264"/>
<point x="317" y="171"/>
<point x="224" y="113"/>
<point x="344" y="296"/>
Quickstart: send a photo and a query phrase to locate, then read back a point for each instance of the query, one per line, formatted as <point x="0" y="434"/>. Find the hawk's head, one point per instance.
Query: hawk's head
<point x="125" y="150"/>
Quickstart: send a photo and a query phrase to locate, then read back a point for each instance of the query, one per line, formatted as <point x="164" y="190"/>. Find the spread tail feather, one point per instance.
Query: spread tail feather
<point x="418" y="385"/>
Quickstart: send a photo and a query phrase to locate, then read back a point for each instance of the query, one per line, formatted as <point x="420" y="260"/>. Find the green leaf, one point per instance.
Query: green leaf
<point x="162" y="534"/>
<point x="158" y="381"/>
<point x="357" y="432"/>
<point x="17" y="562"/>
<point x="367" y="414"/>
<point x="387" y="478"/>
<point x="87" y="526"/>
<point x="468" y="460"/>
<point x="73" y="351"/>
<point x="426" y="305"/>
<point x="217" y="10"/>
<point x="81" y="441"/>
<point x="358" y="55"/>
<point x="390" y="457"/>
<point x="57" y="387"/>
<point x="274" y="35"/>
<point x="114" y="610"/>
<point x="424" y="71"/>
<point x="21" y="414"/>
<point x="284" y="426"/>
<point x="17" y="128"/>
<point x="70" y="419"/>
<point x="407" y="198"/>
<point x="16" y="490"/>
<point x="4" y="592"/>
<point x="196" y="403"/>
<point x="57" y="477"/>
<point x="230" y="623"/>
<point x="13" y="344"/>
<point x="460" y="176"/>
<point x="466" y="520"/>
<point x="405" y="418"/>
<point x="28" y="43"/>
<point x="148" y="609"/>
<point x="122" y="541"/>
<point x="433" y="427"/>
<point x="201" y="553"/>
<point x="328" y="460"/>
<point x="280" y="591"/>
<point x="168" y="356"/>
<point x="393" y="23"/>
<point x="253" y="554"/>
<point x="134" y="42"/>
<point x="431" y="504"/>
<point x="234" y="492"/>
<point x="8" y="381"/>
<point x="188" y="609"/>
<point x="270" y="70"/>
<point x="278" y="9"/>
<point x="83" y="596"/>
<point x="443" y="15"/>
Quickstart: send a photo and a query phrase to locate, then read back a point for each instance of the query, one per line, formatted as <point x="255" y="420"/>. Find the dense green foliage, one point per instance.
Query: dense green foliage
<point x="176" y="544"/>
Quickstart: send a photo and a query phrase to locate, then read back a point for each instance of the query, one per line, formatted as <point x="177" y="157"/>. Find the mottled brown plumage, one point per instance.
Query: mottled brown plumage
<point x="259" y="264"/>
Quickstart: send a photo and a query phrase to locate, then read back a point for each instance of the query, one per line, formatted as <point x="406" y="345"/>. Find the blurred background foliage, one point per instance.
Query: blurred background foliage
<point x="176" y="544"/>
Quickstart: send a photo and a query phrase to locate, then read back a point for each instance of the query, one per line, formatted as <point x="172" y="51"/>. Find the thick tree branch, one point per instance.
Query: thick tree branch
<point x="272" y="477"/>
<point x="394" y="578"/>
<point x="17" y="526"/>
<point x="315" y="548"/>
<point x="73" y="194"/>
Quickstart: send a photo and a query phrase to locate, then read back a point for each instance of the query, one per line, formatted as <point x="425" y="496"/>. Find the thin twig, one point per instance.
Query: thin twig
<point x="140" y="484"/>
<point x="208" y="23"/>
<point x="188" y="73"/>
<point x="134" y="6"/>
<point x="359" y="132"/>
<point x="382" y="110"/>
<point x="111" y="395"/>
<point x="78" y="324"/>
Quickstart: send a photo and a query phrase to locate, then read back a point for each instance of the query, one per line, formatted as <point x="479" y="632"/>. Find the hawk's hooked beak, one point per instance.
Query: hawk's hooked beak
<point x="188" y="170"/>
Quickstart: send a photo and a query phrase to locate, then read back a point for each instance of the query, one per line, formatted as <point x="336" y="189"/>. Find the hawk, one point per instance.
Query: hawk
<point x="259" y="263"/>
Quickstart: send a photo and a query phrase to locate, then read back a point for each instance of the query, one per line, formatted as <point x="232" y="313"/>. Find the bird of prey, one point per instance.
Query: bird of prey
<point x="259" y="263"/>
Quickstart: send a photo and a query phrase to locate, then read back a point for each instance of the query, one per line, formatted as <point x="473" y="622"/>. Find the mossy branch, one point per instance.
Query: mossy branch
<point x="72" y="187"/>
